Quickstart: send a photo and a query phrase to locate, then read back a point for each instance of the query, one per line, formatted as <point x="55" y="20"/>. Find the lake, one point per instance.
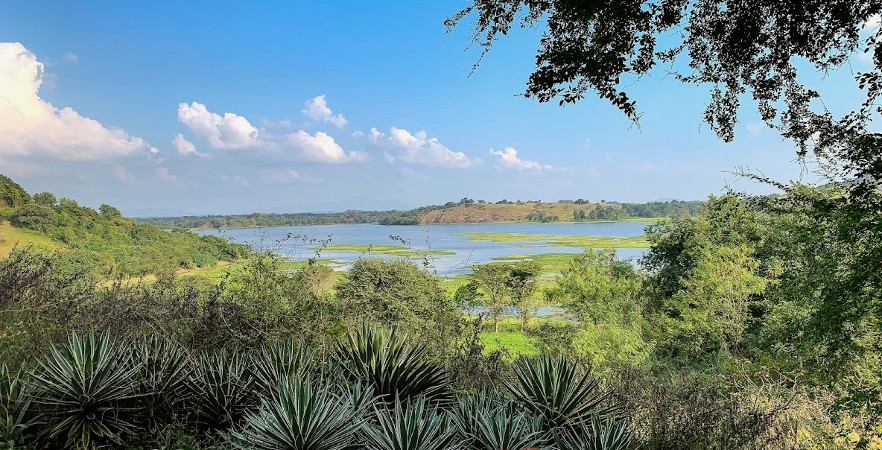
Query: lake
<point x="299" y="242"/>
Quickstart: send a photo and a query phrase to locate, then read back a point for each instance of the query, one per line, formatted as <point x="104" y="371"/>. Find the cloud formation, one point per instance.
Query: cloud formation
<point x="417" y="148"/>
<point x="285" y="176"/>
<point x="230" y="131"/>
<point x="186" y="148"/>
<point x="31" y="126"/>
<point x="322" y="148"/>
<point x="317" y="109"/>
<point x="165" y="176"/>
<point x="508" y="158"/>
<point x="70" y="57"/>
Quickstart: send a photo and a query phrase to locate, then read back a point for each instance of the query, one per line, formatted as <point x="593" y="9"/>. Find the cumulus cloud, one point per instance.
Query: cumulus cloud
<point x="165" y="176"/>
<point x="508" y="158"/>
<point x="317" y="109"/>
<point x="230" y="131"/>
<point x="123" y="175"/>
<point x="31" y="126"/>
<point x="418" y="148"/>
<point x="284" y="176"/>
<point x="70" y="57"/>
<point x="186" y="148"/>
<point x="322" y="148"/>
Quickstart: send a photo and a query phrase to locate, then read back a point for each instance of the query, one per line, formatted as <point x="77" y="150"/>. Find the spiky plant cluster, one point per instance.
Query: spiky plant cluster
<point x="377" y="392"/>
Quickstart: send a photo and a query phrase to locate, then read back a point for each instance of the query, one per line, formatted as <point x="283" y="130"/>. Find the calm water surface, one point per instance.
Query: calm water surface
<point x="298" y="242"/>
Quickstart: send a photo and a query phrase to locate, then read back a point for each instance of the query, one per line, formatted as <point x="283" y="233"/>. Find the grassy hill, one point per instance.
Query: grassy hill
<point x="510" y="212"/>
<point x="112" y="245"/>
<point x="11" y="237"/>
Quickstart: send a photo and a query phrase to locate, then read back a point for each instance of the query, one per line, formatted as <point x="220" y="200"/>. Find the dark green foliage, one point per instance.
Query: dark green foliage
<point x="83" y="390"/>
<point x="393" y="367"/>
<point x="278" y="363"/>
<point x="595" y="434"/>
<point x="116" y="246"/>
<point x="490" y="421"/>
<point x="412" y="425"/>
<point x="559" y="392"/>
<point x="16" y="420"/>
<point x="11" y="194"/>
<point x="398" y="293"/>
<point x="162" y="382"/>
<point x="302" y="415"/>
<point x="221" y="389"/>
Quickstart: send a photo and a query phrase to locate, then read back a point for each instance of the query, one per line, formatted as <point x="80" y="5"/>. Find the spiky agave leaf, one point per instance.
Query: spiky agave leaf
<point x="412" y="425"/>
<point x="279" y="363"/>
<point x="84" y="390"/>
<point x="468" y="407"/>
<point x="221" y="389"/>
<point x="489" y="421"/>
<point x="555" y="389"/>
<point x="597" y="433"/>
<point x="394" y="368"/>
<point x="301" y="415"/>
<point x="15" y="419"/>
<point x="164" y="370"/>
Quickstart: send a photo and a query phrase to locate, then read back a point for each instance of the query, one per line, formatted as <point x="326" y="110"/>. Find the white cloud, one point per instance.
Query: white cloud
<point x="70" y="57"/>
<point x="418" y="148"/>
<point x="165" y="176"/>
<point x="317" y="109"/>
<point x="31" y="126"/>
<point x="230" y="131"/>
<point x="357" y="133"/>
<point x="123" y="175"/>
<point x="285" y="176"/>
<point x="234" y="179"/>
<point x="322" y="148"/>
<point x="873" y="22"/>
<point x="187" y="148"/>
<point x="508" y="158"/>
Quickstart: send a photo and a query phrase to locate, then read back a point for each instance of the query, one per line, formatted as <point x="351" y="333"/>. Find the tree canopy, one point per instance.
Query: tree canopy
<point x="735" y="48"/>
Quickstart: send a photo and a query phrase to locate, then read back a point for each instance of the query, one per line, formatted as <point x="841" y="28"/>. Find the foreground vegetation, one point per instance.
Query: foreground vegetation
<point x="753" y="325"/>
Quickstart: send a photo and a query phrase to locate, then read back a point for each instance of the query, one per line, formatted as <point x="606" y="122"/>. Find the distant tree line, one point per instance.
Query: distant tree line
<point x="602" y="211"/>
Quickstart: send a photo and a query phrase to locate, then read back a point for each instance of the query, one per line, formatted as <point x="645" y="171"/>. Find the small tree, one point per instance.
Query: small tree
<point x="492" y="279"/>
<point x="521" y="284"/>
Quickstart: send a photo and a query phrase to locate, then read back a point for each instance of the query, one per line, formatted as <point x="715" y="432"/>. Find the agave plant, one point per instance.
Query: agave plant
<point x="14" y="408"/>
<point x="84" y="390"/>
<point x="221" y="389"/>
<point x="279" y="363"/>
<point x="489" y="421"/>
<point x="302" y="416"/>
<point x="554" y="388"/>
<point x="596" y="434"/>
<point x="164" y="370"/>
<point x="412" y="426"/>
<point x="393" y="368"/>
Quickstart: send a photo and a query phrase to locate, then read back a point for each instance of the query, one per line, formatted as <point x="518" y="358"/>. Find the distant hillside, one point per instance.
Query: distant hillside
<point x="110" y="244"/>
<point x="468" y="211"/>
<point x="511" y="212"/>
<point x="464" y="211"/>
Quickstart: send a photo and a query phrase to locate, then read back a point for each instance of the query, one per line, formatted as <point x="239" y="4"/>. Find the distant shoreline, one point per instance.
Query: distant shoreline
<point x="647" y="220"/>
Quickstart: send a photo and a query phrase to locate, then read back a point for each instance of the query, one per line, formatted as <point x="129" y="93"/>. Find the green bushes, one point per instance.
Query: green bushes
<point x="96" y="392"/>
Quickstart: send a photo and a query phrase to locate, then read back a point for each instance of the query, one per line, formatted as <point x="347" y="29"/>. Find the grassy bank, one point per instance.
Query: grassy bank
<point x="564" y="241"/>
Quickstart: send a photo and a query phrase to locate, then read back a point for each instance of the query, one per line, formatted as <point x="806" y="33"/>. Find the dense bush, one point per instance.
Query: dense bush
<point x="92" y="391"/>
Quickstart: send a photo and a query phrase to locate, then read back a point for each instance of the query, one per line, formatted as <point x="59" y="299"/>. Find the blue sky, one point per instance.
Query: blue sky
<point x="225" y="107"/>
